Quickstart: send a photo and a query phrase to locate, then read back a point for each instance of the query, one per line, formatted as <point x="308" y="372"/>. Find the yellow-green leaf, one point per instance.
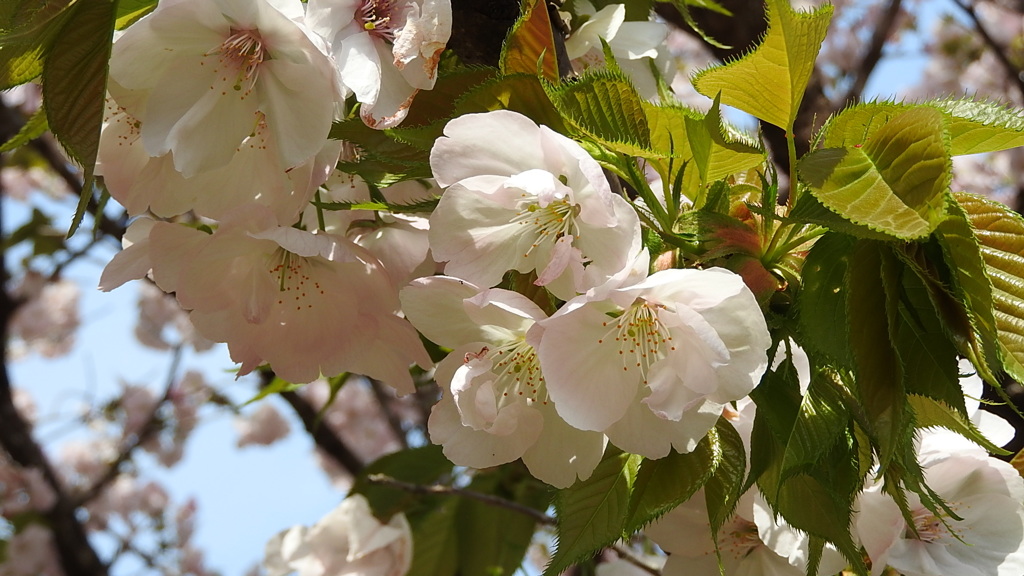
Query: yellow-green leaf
<point x="604" y="106"/>
<point x="1000" y="232"/>
<point x="894" y="183"/>
<point x="769" y="82"/>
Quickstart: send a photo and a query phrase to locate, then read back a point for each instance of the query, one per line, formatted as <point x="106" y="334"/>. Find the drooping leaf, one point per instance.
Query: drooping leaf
<point x="929" y="412"/>
<point x="33" y="128"/>
<point x="822" y="299"/>
<point x="769" y="82"/>
<point x="873" y="280"/>
<point x="972" y="287"/>
<point x="590" y="513"/>
<point x="129" y="11"/>
<point x="667" y="482"/>
<point x="383" y="159"/>
<point x="522" y="93"/>
<point x="1000" y="233"/>
<point x="530" y="46"/>
<point x="723" y="490"/>
<point x="894" y="184"/>
<point x="439" y="102"/>
<point x="820" y="421"/>
<point x="604" y="106"/>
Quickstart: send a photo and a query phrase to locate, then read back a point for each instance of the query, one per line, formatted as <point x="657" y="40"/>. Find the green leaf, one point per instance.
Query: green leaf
<point x="424" y="465"/>
<point x="590" y="513"/>
<point x="769" y="82"/>
<point x="604" y="106"/>
<point x="894" y="184"/>
<point x="976" y="127"/>
<point x="873" y="280"/>
<point x="821" y="302"/>
<point x="971" y="287"/>
<point x="1000" y="233"/>
<point x="27" y="30"/>
<point x="530" y="46"/>
<point x="821" y="420"/>
<point x="667" y="482"/>
<point x="429" y="106"/>
<point x="715" y="155"/>
<point x="929" y="412"/>
<point x="723" y="489"/>
<point x="435" y="542"/>
<point x="492" y="539"/>
<point x="32" y="129"/>
<point x="384" y="158"/>
<point x="129" y="11"/>
<point x="522" y="93"/>
<point x="275" y="387"/>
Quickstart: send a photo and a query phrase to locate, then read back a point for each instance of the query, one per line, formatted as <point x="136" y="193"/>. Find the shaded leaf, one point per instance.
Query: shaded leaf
<point x="435" y="542"/>
<point x="822" y="299"/>
<point x="929" y="412"/>
<point x="723" y="489"/>
<point x="33" y="128"/>
<point x="530" y="46"/>
<point x="424" y="465"/>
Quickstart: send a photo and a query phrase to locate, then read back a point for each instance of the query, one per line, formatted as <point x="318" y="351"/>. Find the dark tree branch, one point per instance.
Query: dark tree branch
<point x="324" y="437"/>
<point x="883" y="31"/>
<point x="385" y="399"/>
<point x="76" y="554"/>
<point x="1012" y="71"/>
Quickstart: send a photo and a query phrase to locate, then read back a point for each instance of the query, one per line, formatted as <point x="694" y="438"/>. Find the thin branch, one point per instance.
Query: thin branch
<point x="488" y="499"/>
<point x="1000" y="52"/>
<point x="627" y="555"/>
<point x="323" y="436"/>
<point x="149" y="428"/>
<point x="76" y="554"/>
<point x="883" y="31"/>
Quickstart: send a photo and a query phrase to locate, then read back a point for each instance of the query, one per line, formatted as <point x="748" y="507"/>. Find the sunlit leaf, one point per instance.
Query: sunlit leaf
<point x="769" y="82"/>
<point x="530" y="46"/>
<point x="603" y="105"/>
<point x="894" y="184"/>
<point x="33" y="128"/>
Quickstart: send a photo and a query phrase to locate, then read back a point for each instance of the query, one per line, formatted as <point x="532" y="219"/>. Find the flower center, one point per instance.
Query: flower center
<point x="517" y="374"/>
<point x="639" y="335"/>
<point x="740" y="539"/>
<point x="929" y="527"/>
<point x="379" y="18"/>
<point x="548" y="223"/>
<point x="296" y="286"/>
<point x="242" y="51"/>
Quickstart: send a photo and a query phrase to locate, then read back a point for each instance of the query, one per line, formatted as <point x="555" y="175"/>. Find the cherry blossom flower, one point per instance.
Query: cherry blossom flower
<point x="263" y="426"/>
<point x="494" y="406"/>
<point x="255" y="173"/>
<point x="988" y="497"/>
<point x="752" y="541"/>
<point x="212" y="72"/>
<point x="653" y="363"/>
<point x="386" y="50"/>
<point x="47" y="320"/>
<point x="309" y="304"/>
<point x="349" y="540"/>
<point x="634" y="44"/>
<point x="523" y="197"/>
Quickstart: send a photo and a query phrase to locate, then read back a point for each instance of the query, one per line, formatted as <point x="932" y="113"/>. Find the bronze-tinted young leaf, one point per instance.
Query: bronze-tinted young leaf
<point x="894" y="184"/>
<point x="1000" y="233"/>
<point x="530" y="46"/>
<point x="769" y="82"/>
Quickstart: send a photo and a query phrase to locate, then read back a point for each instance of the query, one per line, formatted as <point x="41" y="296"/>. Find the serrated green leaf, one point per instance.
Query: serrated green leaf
<point x="821" y="302"/>
<point x="667" y="482"/>
<point x="769" y="82"/>
<point x="872" y="277"/>
<point x="976" y="127"/>
<point x="929" y="412"/>
<point x="895" y="183"/>
<point x="604" y="106"/>
<point x="424" y="465"/>
<point x="32" y="129"/>
<point x="1000" y="233"/>
<point x="684" y="10"/>
<point x="972" y="287"/>
<point x="723" y="490"/>
<point x="821" y="419"/>
<point x="75" y="85"/>
<point x="435" y="542"/>
<point x="530" y="45"/>
<point x="717" y="155"/>
<point x="522" y="93"/>
<point x="853" y="125"/>
<point x="590" y="513"/>
<point x="275" y="387"/>
<point x="438" y="103"/>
